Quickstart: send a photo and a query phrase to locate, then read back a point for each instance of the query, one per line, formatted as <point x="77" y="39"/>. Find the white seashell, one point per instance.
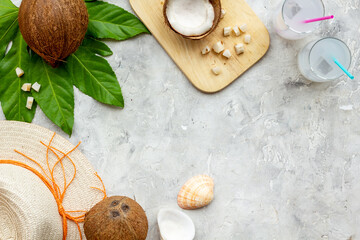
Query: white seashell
<point x="197" y="192"/>
<point x="175" y="225"/>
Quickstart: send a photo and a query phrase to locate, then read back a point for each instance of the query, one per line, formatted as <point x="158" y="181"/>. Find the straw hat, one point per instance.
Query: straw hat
<point x="28" y="209"/>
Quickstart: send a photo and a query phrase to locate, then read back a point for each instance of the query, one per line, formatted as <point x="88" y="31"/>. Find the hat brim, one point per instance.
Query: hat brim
<point x="26" y="138"/>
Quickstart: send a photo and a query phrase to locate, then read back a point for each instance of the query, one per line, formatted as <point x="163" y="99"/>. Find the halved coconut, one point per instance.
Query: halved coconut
<point x="193" y="19"/>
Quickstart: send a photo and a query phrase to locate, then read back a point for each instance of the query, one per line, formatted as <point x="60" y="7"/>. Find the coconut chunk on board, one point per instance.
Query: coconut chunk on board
<point x="247" y="38"/>
<point x="239" y="48"/>
<point x="218" y="47"/>
<point x="227" y="53"/>
<point x="216" y="70"/>
<point x="205" y="50"/>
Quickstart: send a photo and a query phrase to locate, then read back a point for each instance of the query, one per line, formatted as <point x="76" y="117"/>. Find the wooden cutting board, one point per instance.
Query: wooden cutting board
<point x="187" y="53"/>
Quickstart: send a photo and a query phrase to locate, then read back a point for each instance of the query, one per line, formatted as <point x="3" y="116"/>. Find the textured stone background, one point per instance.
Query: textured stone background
<point x="284" y="153"/>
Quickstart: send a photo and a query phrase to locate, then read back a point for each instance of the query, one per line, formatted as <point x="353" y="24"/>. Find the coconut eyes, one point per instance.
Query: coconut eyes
<point x="115" y="214"/>
<point x="114" y="203"/>
<point x="125" y="207"/>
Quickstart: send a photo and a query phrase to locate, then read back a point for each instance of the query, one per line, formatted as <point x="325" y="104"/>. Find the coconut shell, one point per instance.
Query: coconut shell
<point x="116" y="218"/>
<point x="53" y="29"/>
<point x="217" y="10"/>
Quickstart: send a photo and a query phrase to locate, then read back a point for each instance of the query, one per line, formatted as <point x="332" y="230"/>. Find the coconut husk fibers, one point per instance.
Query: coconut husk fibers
<point x="217" y="10"/>
<point x="53" y="29"/>
<point x="116" y="218"/>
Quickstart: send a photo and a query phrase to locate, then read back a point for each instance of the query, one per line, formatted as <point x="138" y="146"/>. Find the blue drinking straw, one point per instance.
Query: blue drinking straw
<point x="343" y="68"/>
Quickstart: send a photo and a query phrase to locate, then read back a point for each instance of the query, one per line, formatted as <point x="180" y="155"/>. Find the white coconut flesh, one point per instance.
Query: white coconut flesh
<point x="190" y="17"/>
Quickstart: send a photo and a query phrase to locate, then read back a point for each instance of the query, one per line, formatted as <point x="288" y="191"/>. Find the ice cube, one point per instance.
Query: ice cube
<point x="292" y="9"/>
<point x="324" y="67"/>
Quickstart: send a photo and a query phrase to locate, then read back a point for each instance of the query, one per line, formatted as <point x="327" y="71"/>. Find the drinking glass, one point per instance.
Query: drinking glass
<point x="289" y="17"/>
<point x="316" y="61"/>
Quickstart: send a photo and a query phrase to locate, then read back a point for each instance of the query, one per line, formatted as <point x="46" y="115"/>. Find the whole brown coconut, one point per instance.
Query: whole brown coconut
<point x="116" y="218"/>
<point x="53" y="29"/>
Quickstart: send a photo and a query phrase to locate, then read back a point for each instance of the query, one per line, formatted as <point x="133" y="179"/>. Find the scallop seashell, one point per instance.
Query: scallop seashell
<point x="175" y="225"/>
<point x="197" y="192"/>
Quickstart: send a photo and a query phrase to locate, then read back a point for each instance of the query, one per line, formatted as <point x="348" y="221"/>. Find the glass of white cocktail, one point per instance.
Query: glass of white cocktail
<point x="324" y="60"/>
<point x="291" y="14"/>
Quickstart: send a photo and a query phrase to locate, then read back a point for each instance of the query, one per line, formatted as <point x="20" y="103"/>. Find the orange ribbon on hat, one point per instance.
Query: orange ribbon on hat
<point x="51" y="184"/>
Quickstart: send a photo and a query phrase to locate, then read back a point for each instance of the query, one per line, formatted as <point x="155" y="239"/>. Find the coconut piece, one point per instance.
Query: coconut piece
<point x="243" y="27"/>
<point x="227" y="53"/>
<point x="54" y="29"/>
<point x="26" y="87"/>
<point x="223" y="12"/>
<point x="205" y="50"/>
<point x="227" y="31"/>
<point x="29" y="102"/>
<point x="239" y="48"/>
<point x="218" y="47"/>
<point x="36" y="86"/>
<point x="19" y="72"/>
<point x="216" y="70"/>
<point x="247" y="38"/>
<point x="192" y="19"/>
<point x="116" y="218"/>
<point x="236" y="30"/>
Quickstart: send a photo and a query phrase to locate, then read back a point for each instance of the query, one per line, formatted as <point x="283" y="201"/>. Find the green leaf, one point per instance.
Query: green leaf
<point x="94" y="76"/>
<point x="97" y="47"/>
<point x="56" y="96"/>
<point x="13" y="99"/>
<point x="110" y="21"/>
<point x="8" y="24"/>
<point x="90" y="0"/>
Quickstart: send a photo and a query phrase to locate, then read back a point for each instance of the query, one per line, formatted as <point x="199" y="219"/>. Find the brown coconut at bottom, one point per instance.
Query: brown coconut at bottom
<point x="116" y="218"/>
<point x="217" y="10"/>
<point x="53" y="29"/>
